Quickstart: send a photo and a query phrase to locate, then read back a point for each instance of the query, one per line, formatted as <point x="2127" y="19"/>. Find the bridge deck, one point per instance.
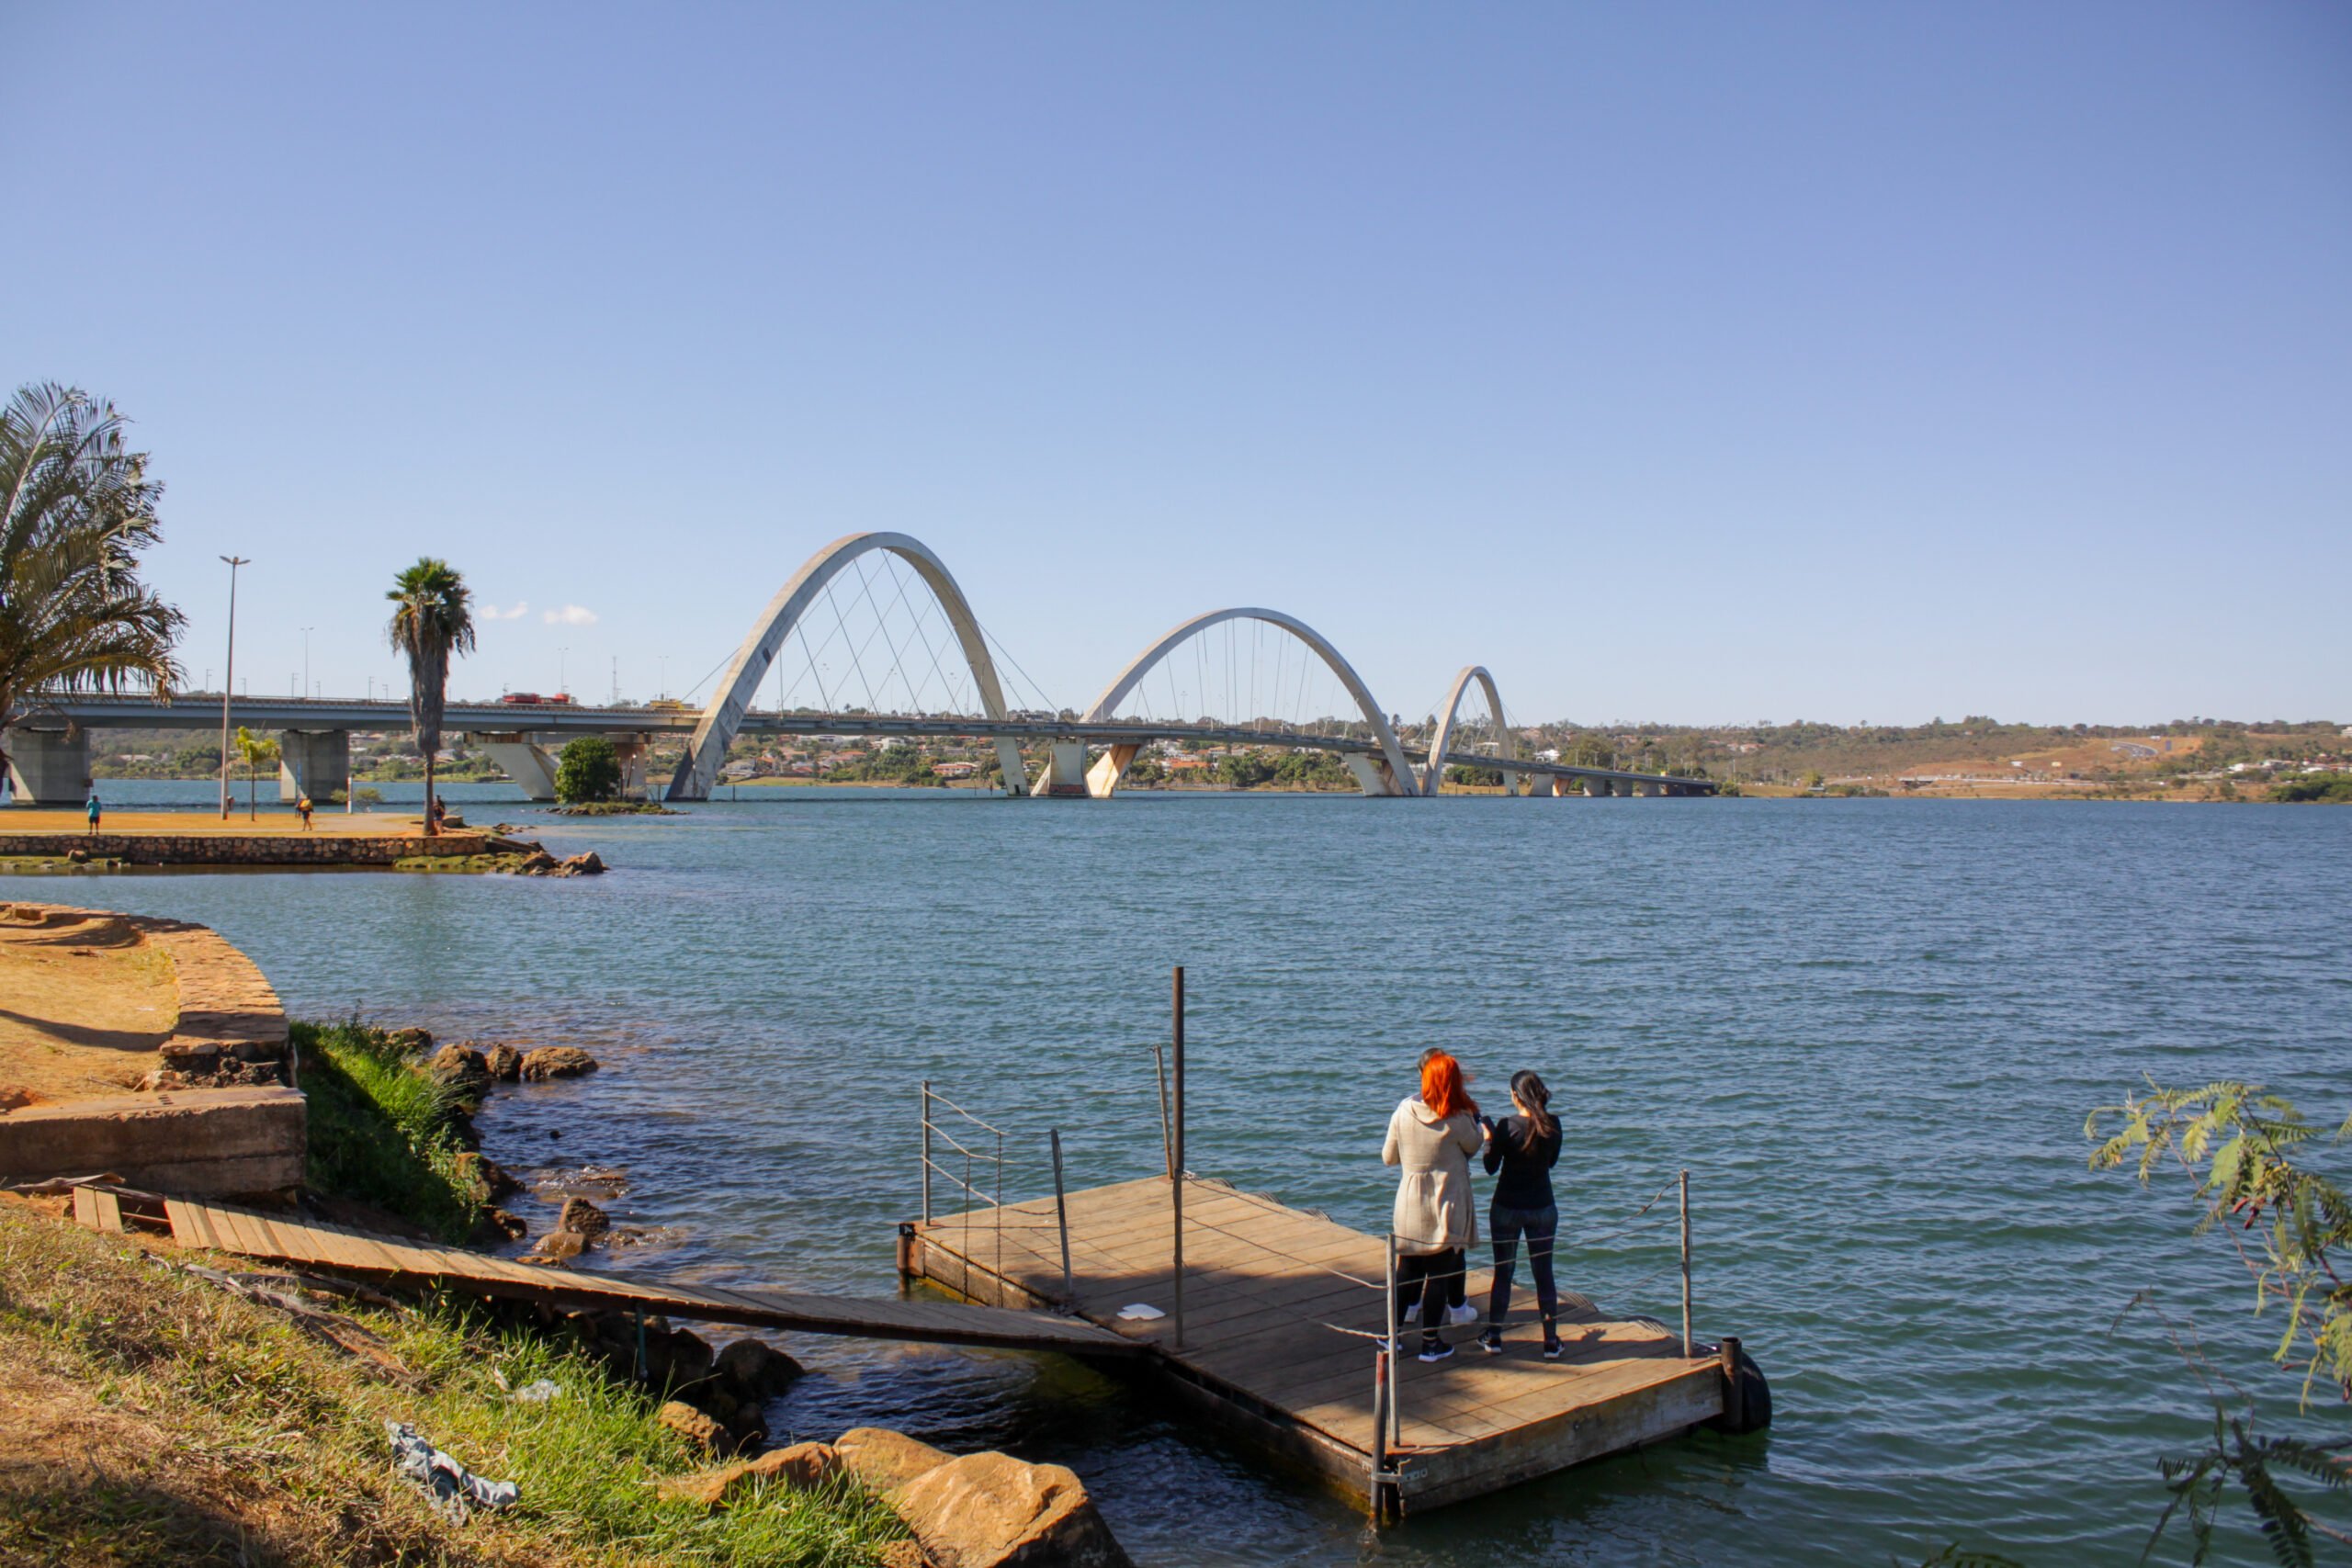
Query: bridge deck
<point x="1268" y="1291"/>
<point x="271" y="1237"/>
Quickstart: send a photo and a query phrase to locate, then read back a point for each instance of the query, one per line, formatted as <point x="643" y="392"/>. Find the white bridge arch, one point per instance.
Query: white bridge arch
<point x="706" y="751"/>
<point x="1381" y="767"/>
<point x="1442" y="741"/>
<point x="1389" y="774"/>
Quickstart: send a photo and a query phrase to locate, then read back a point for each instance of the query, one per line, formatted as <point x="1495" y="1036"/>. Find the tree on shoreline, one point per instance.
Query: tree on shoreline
<point x="433" y="620"/>
<point x="589" y="770"/>
<point x="253" y="750"/>
<point x="76" y="508"/>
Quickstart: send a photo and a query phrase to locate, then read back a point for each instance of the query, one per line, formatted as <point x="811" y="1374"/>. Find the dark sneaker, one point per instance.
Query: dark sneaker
<point x="1491" y="1342"/>
<point x="1437" y="1352"/>
<point x="1551" y="1349"/>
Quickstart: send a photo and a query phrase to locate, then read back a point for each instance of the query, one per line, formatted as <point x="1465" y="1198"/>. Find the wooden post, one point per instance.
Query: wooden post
<point x="1167" y="1138"/>
<point x="926" y="1151"/>
<point x="641" y="1365"/>
<point x="1734" y="1391"/>
<point x="1686" y="1264"/>
<point x="906" y="1252"/>
<point x="1395" y="1417"/>
<point x="1379" y="1434"/>
<point x="1176" y="1158"/>
<point x="1061" y="1216"/>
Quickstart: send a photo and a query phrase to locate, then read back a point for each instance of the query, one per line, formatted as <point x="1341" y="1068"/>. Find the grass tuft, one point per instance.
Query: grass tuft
<point x="383" y="1132"/>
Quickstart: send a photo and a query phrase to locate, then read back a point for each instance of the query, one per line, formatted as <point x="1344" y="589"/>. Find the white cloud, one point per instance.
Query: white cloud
<point x="570" y="615"/>
<point x="492" y="613"/>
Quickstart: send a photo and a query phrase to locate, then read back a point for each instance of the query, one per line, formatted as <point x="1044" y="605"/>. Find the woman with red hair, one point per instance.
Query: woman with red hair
<point x="1432" y="1137"/>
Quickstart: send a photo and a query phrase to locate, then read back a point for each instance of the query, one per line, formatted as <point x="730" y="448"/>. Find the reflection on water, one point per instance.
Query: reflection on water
<point x="1869" y="1029"/>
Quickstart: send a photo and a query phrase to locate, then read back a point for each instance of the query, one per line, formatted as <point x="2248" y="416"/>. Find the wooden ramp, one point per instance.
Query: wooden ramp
<point x="283" y="1240"/>
<point x="1269" y="1293"/>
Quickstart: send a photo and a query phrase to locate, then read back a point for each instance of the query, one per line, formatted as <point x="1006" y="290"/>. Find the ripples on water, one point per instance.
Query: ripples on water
<point x="1870" y="1030"/>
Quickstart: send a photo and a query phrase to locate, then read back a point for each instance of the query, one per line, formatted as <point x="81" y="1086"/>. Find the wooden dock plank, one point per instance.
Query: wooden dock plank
<point x="282" y="1239"/>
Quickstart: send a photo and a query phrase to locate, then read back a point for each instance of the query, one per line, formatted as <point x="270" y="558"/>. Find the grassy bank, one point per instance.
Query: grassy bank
<point x="383" y="1133"/>
<point x="156" y="1418"/>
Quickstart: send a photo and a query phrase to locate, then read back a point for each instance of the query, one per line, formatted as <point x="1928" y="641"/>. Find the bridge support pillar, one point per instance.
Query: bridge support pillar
<point x="316" y="762"/>
<point x="1103" y="777"/>
<point x="1065" y="769"/>
<point x="1511" y="784"/>
<point x="48" y="767"/>
<point x="1374" y="776"/>
<point x="631" y="750"/>
<point x="1008" y="762"/>
<point x="1651" y="790"/>
<point x="1595" y="789"/>
<point x="524" y="760"/>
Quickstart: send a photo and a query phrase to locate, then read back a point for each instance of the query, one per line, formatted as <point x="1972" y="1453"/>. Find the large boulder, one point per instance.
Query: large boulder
<point x="556" y="1062"/>
<point x="690" y="1423"/>
<point x="679" y="1359"/>
<point x="990" y="1510"/>
<point x="495" y="1182"/>
<point x="459" y="1065"/>
<point x="756" y="1371"/>
<point x="582" y="1218"/>
<point x="882" y="1459"/>
<point x="504" y="1062"/>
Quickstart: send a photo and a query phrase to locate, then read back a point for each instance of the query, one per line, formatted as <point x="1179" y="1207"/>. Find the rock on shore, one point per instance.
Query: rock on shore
<point x="556" y="1061"/>
<point x="983" y="1510"/>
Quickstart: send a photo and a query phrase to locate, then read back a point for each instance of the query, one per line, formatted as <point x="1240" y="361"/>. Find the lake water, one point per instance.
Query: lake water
<point x="1870" y="1030"/>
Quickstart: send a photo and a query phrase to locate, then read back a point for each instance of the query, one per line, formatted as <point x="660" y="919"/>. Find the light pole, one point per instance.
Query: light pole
<point x="306" y="659"/>
<point x="229" y="678"/>
<point x="561" y="690"/>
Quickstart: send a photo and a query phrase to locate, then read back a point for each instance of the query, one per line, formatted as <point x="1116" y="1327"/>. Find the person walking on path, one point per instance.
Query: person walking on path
<point x="1524" y="1148"/>
<point x="94" y="814"/>
<point x="302" y="808"/>
<point x="1432" y="1137"/>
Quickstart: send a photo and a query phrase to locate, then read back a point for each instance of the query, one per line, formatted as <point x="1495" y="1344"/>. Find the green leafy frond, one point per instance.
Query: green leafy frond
<point x="76" y="509"/>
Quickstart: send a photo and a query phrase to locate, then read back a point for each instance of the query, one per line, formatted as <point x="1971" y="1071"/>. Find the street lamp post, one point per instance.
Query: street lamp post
<point x="306" y="659"/>
<point x="229" y="678"/>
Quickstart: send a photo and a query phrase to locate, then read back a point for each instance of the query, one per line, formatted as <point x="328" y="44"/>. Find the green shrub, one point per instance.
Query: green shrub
<point x="591" y="769"/>
<point x="2336" y="789"/>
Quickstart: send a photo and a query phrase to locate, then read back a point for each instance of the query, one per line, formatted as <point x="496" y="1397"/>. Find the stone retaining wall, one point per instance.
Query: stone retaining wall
<point x="206" y="849"/>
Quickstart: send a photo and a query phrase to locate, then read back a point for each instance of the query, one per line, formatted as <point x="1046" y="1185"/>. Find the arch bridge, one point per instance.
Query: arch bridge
<point x="1380" y="762"/>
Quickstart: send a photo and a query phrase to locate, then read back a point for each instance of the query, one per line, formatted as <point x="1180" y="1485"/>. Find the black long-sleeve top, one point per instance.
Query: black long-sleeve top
<point x="1525" y="1161"/>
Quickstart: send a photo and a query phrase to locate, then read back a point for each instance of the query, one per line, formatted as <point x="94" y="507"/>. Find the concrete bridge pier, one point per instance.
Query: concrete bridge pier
<point x="1651" y="790"/>
<point x="630" y="750"/>
<point x="524" y="762"/>
<point x="1102" y="778"/>
<point x="316" y="762"/>
<point x="48" y="767"/>
<point x="1374" y="776"/>
<point x="1065" y="770"/>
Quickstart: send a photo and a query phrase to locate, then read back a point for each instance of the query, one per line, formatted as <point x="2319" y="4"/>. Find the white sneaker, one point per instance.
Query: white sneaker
<point x="1464" y="1314"/>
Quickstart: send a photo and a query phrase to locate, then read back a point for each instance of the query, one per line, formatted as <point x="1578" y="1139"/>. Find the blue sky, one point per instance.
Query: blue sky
<point x="1690" y="363"/>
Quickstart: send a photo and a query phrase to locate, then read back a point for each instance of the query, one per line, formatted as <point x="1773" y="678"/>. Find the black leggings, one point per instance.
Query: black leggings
<point x="1433" y="1280"/>
<point x="1539" y="1225"/>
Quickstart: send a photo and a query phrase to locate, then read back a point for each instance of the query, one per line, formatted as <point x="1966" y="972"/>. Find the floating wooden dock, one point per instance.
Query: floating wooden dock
<point x="1282" y="1311"/>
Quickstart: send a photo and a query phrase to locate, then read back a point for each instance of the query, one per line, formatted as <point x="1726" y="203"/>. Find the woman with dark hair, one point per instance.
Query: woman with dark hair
<point x="1524" y="1149"/>
<point x="1432" y="1137"/>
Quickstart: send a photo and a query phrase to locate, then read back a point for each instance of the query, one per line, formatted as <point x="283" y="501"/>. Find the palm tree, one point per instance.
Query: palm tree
<point x="76" y="510"/>
<point x="436" y="618"/>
